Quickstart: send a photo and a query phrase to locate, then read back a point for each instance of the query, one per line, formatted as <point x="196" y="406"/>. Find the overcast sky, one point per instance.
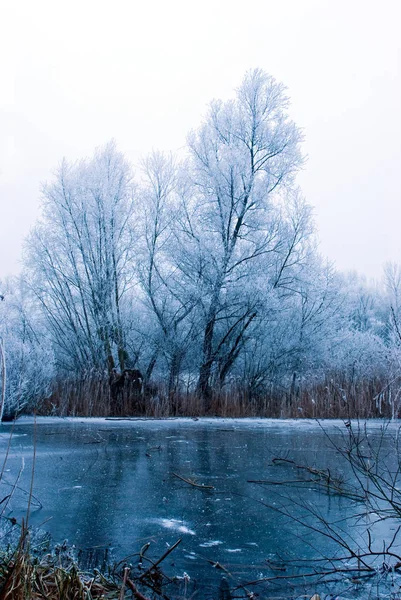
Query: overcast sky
<point x="74" y="74"/>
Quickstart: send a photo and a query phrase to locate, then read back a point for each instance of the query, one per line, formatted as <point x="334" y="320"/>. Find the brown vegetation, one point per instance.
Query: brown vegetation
<point x="335" y="397"/>
<point x="56" y="576"/>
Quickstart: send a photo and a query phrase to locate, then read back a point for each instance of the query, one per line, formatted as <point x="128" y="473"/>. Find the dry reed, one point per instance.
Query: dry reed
<point x="333" y="397"/>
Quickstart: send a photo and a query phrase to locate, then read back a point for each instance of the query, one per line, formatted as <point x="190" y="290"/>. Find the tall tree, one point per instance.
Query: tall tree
<point x="81" y="258"/>
<point x="170" y="302"/>
<point x="243" y="159"/>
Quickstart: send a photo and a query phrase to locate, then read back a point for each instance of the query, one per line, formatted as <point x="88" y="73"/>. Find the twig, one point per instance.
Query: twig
<point x="34" y="499"/>
<point x="122" y="591"/>
<point x="161" y="558"/>
<point x="193" y="483"/>
<point x="28" y="511"/>
<point x="135" y="591"/>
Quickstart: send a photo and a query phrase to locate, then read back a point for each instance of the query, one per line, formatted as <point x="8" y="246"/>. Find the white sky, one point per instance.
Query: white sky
<point x="74" y="74"/>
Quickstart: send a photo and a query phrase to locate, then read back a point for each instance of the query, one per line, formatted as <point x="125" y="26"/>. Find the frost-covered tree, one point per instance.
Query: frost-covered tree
<point x="243" y="225"/>
<point x="289" y="345"/>
<point x="26" y="350"/>
<point x="81" y="257"/>
<point x="166" y="296"/>
<point x="392" y="282"/>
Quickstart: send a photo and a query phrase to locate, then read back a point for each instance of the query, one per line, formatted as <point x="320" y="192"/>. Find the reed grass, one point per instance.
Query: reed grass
<point x="332" y="397"/>
<point x="56" y="576"/>
<point x="24" y="576"/>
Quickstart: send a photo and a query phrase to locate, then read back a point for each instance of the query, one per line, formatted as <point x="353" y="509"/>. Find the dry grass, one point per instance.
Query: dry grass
<point x="56" y="576"/>
<point x="25" y="577"/>
<point x="334" y="397"/>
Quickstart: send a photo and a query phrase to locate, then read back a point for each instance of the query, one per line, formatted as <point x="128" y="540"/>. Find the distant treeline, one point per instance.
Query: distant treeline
<point x="202" y="273"/>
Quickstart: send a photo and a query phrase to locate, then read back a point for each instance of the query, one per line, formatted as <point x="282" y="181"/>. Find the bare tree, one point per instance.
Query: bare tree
<point x="166" y="296"/>
<point x="80" y="259"/>
<point x="392" y="281"/>
<point x="245" y="153"/>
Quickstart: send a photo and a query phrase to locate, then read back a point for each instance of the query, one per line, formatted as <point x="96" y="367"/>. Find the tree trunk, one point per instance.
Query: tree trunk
<point x="205" y="370"/>
<point x="175" y="367"/>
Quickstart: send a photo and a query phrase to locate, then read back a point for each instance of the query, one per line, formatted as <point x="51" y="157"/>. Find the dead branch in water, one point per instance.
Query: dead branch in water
<point x="202" y="486"/>
<point x="125" y="577"/>
<point x="135" y="591"/>
<point x="322" y="477"/>
<point x="155" y="564"/>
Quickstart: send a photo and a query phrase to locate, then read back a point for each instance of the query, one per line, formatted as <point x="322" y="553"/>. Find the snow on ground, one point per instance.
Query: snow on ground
<point x="218" y="422"/>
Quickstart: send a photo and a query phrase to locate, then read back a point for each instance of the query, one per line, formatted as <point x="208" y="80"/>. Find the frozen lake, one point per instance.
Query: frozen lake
<point x="112" y="484"/>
